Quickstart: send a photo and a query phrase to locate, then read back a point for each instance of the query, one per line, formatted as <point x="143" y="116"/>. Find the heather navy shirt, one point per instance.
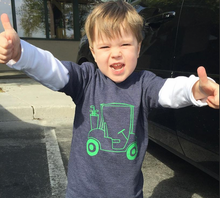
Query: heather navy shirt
<point x="110" y="133"/>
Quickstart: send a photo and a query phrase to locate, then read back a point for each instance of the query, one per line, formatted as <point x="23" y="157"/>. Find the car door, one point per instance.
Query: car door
<point x="198" y="44"/>
<point x="176" y="44"/>
<point x="157" y="51"/>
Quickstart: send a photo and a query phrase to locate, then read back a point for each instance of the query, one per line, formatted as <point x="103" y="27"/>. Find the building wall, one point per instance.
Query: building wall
<point x="63" y="50"/>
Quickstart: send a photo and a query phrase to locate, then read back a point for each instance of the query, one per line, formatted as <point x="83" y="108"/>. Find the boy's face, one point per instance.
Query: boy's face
<point x="117" y="57"/>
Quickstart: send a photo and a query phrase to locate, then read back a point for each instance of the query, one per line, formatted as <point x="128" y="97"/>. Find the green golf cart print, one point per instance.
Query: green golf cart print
<point x="114" y="132"/>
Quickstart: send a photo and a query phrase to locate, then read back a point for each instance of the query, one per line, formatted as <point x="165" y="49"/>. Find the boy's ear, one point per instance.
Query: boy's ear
<point x="92" y="51"/>
<point x="139" y="48"/>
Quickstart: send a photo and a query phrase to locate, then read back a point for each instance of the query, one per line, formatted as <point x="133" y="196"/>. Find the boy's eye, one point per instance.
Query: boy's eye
<point x="125" y="44"/>
<point x="104" y="47"/>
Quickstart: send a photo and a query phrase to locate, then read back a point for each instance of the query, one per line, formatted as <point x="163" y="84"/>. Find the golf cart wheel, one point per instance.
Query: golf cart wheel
<point x="132" y="151"/>
<point x="92" y="147"/>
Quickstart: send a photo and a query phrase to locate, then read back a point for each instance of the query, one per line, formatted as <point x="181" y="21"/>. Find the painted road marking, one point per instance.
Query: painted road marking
<point x="58" y="179"/>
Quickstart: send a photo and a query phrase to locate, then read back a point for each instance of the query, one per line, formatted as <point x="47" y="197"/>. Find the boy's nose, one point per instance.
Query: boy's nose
<point x="116" y="53"/>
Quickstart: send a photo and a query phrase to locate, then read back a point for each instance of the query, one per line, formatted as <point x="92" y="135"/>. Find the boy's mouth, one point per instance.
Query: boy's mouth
<point x="117" y="66"/>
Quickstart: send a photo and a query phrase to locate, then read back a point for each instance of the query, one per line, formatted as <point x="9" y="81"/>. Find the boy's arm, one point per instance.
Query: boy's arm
<point x="183" y="91"/>
<point x="42" y="66"/>
<point x="35" y="62"/>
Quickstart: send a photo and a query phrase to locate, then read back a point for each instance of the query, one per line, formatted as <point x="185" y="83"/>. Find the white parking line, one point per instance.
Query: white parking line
<point x="58" y="179"/>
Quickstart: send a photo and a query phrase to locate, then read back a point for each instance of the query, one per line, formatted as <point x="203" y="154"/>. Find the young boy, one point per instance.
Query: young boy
<point x="110" y="134"/>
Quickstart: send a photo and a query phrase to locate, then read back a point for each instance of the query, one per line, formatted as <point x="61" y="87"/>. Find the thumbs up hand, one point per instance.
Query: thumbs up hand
<point x="10" y="47"/>
<point x="205" y="88"/>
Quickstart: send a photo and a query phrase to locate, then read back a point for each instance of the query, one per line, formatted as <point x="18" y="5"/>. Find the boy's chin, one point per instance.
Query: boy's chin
<point x="118" y="79"/>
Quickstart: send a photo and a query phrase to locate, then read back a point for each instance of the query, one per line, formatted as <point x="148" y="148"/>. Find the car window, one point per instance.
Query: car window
<point x="160" y="29"/>
<point x="198" y="37"/>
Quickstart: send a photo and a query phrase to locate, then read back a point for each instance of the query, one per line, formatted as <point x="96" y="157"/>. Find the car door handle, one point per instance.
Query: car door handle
<point x="160" y="18"/>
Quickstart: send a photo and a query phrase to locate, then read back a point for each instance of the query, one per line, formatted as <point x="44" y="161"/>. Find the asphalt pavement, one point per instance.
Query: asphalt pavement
<point x="26" y="99"/>
<point x="35" y="139"/>
<point x="31" y="161"/>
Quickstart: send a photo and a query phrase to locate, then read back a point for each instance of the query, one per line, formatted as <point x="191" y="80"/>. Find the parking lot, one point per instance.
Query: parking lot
<point x="168" y="176"/>
<point x="34" y="157"/>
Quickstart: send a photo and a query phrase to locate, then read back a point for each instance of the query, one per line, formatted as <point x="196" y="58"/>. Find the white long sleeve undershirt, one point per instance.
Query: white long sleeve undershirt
<point x="45" y="68"/>
<point x="42" y="66"/>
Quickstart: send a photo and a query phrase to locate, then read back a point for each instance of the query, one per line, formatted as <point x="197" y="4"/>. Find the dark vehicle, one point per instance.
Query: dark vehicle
<point x="180" y="35"/>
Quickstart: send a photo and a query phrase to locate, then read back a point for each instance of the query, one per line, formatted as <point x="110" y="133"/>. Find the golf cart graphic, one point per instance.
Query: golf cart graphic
<point x="115" y="132"/>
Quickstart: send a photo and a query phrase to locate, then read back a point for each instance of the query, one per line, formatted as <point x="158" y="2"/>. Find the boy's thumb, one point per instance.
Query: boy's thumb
<point x="6" y="23"/>
<point x="202" y="75"/>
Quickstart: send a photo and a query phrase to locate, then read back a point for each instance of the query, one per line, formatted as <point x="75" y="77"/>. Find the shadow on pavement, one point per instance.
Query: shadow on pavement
<point x="23" y="159"/>
<point x="187" y="182"/>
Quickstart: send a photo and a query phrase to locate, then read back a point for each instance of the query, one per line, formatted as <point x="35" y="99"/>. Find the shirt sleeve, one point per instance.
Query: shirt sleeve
<point x="42" y="66"/>
<point x="177" y="93"/>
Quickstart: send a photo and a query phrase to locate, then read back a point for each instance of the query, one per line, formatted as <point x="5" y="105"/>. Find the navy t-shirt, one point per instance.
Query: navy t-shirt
<point x="110" y="133"/>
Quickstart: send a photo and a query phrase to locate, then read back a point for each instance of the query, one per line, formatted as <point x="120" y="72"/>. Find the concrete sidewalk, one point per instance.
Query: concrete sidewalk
<point x="26" y="99"/>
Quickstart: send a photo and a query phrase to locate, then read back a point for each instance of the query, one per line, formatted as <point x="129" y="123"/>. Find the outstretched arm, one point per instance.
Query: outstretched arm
<point x="206" y="88"/>
<point x="184" y="91"/>
<point x="35" y="62"/>
<point x="10" y="48"/>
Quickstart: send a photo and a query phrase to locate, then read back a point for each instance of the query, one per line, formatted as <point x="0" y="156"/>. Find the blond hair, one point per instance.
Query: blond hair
<point x="110" y="17"/>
